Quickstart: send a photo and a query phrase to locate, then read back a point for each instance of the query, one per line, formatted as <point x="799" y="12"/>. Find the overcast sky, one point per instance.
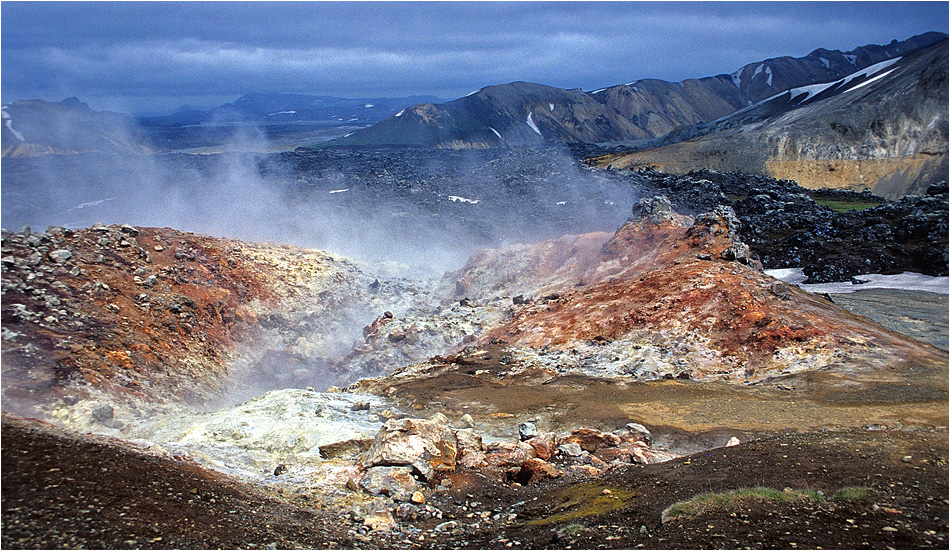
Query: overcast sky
<point x="154" y="56"/>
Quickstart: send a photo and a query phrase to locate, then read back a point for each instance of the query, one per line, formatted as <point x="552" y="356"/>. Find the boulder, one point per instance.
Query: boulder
<point x="544" y="445"/>
<point x="428" y="447"/>
<point x="395" y="482"/>
<point x="591" y="440"/>
<point x="534" y="470"/>
<point x="508" y="454"/>
<point x="527" y="431"/>
<point x="635" y="432"/>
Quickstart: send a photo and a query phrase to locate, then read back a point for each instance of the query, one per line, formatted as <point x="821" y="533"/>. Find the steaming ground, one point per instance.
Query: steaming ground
<point x="421" y="208"/>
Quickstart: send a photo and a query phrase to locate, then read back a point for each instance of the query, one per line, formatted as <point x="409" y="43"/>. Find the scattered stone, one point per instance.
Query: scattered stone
<point x="571" y="449"/>
<point x="544" y="445"/>
<point x="527" y="431"/>
<point x="733" y="442"/>
<point x="467" y="421"/>
<point x="447" y="526"/>
<point x="60" y="256"/>
<point x="103" y="413"/>
<point x="379" y="517"/>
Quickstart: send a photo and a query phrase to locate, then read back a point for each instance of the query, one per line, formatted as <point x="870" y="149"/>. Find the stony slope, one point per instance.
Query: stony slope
<point x="883" y="130"/>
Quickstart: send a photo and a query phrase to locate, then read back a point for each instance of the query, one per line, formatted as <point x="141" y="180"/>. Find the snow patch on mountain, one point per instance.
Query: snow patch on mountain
<point x="8" y="122"/>
<point x="399" y="114"/>
<point x="737" y="78"/>
<point x="496" y="133"/>
<point x="825" y="62"/>
<point x="460" y="199"/>
<point x="533" y="126"/>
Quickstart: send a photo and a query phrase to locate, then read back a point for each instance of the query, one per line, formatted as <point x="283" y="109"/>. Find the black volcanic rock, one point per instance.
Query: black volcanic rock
<point x="787" y="228"/>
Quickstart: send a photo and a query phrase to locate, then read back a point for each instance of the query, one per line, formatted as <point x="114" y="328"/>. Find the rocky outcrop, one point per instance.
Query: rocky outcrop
<point x="156" y="315"/>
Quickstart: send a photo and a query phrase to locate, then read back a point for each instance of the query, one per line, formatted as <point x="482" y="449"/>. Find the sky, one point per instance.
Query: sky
<point x="152" y="57"/>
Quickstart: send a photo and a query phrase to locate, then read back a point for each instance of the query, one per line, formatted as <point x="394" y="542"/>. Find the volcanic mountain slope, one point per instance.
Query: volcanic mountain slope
<point x="883" y="128"/>
<point x="34" y="127"/>
<point x="521" y="113"/>
<point x="667" y="296"/>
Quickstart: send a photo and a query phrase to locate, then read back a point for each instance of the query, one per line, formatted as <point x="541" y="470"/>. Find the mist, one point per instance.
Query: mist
<point x="424" y="209"/>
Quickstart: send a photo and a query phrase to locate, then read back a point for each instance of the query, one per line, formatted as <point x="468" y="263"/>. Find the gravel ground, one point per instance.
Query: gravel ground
<point x="63" y="490"/>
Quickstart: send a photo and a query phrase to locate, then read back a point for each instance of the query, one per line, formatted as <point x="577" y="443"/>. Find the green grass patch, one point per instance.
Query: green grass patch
<point x="843" y="205"/>
<point x="736" y="198"/>
<point x="734" y="498"/>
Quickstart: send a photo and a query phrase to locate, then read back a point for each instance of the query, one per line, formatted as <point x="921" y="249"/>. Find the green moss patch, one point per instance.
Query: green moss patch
<point x="583" y="500"/>
<point x="844" y="205"/>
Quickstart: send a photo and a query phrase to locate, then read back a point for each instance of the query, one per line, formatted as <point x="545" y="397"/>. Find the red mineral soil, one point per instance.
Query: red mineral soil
<point x="761" y="357"/>
<point x="152" y="314"/>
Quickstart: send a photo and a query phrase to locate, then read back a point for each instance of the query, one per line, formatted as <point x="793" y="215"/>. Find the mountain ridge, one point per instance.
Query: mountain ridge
<point x="882" y="129"/>
<point x="497" y="116"/>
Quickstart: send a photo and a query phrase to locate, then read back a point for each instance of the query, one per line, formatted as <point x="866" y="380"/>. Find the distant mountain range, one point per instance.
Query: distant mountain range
<point x="883" y="128"/>
<point x="874" y="117"/>
<point x="524" y="114"/>
<point x="275" y="107"/>
<point x="34" y="127"/>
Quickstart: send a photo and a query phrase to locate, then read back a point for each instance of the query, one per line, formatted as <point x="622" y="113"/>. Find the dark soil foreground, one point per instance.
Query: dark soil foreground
<point x="62" y="490"/>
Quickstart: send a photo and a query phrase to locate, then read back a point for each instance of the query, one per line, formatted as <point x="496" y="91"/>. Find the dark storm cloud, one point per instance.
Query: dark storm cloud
<point x="141" y="55"/>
